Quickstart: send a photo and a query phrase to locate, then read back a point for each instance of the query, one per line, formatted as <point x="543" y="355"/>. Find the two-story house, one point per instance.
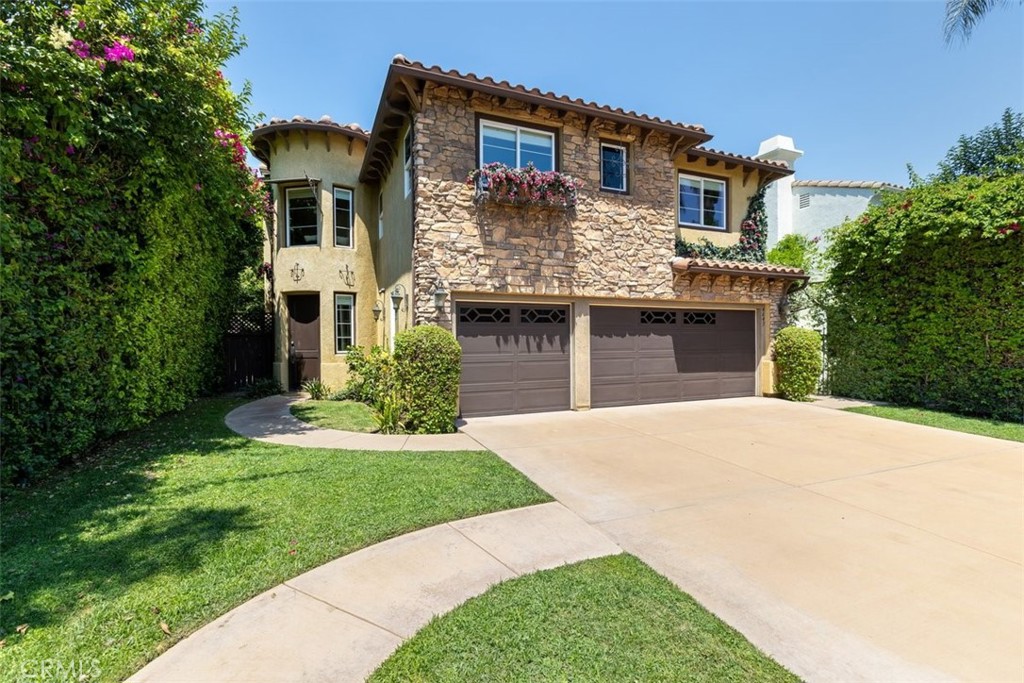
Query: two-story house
<point x="555" y="307"/>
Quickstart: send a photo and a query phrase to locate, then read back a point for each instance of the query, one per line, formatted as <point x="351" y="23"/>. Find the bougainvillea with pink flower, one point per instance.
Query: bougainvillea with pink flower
<point x="925" y="295"/>
<point x="129" y="212"/>
<point x="504" y="184"/>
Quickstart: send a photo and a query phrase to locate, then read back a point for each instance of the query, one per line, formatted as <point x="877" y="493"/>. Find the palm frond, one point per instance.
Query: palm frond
<point x="963" y="15"/>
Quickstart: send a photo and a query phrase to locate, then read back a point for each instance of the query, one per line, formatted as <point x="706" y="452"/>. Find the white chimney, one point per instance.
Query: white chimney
<point x="778" y="198"/>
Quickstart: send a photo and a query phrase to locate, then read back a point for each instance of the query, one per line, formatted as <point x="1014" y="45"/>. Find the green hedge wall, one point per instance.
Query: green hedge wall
<point x="926" y="299"/>
<point x="128" y="212"/>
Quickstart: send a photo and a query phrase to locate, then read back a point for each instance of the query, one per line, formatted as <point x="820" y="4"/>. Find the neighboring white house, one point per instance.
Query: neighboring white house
<point x="810" y="207"/>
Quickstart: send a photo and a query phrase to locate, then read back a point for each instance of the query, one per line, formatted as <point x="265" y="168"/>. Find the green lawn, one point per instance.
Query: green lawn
<point x="609" y="619"/>
<point x="1011" y="431"/>
<point x="183" y="520"/>
<point x="349" y="416"/>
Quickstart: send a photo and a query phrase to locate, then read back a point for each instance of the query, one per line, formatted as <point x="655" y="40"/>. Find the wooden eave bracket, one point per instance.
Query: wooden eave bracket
<point x="412" y="92"/>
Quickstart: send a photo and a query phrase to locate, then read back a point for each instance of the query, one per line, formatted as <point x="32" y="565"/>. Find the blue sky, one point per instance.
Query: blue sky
<point x="862" y="87"/>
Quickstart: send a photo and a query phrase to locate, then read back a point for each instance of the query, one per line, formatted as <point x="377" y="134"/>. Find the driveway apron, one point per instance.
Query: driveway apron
<point x="846" y="546"/>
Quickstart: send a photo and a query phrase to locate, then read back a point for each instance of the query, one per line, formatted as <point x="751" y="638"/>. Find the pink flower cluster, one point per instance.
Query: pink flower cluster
<point x="525" y="185"/>
<point x="116" y="53"/>
<point x="234" y="141"/>
<point x="1012" y="227"/>
<point x="119" y="52"/>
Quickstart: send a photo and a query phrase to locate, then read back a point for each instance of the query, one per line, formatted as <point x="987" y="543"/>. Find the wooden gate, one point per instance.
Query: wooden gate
<point x="248" y="349"/>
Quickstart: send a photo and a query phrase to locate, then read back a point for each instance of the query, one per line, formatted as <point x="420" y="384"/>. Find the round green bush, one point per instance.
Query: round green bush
<point x="429" y="364"/>
<point x="798" y="361"/>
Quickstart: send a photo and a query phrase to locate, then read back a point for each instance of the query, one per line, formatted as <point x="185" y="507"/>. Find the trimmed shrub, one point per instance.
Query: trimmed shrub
<point x="429" y="365"/>
<point x="128" y="214"/>
<point x="798" y="362"/>
<point x="370" y="374"/>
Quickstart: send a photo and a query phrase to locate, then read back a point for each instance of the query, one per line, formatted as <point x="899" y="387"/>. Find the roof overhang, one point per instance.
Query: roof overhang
<point x="266" y="134"/>
<point x="767" y="171"/>
<point x="699" y="266"/>
<point x="403" y="89"/>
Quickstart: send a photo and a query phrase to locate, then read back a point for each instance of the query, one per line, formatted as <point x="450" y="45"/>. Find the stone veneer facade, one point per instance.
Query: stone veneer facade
<point x="612" y="246"/>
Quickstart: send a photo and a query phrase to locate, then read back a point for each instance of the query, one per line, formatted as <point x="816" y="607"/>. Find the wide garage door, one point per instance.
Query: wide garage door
<point x="515" y="358"/>
<point x="651" y="355"/>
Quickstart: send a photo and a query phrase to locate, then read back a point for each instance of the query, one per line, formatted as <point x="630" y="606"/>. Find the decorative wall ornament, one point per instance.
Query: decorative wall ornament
<point x="298" y="272"/>
<point x="347" y="275"/>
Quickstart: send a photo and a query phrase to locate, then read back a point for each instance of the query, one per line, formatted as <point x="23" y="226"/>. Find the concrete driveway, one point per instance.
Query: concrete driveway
<point x="847" y="547"/>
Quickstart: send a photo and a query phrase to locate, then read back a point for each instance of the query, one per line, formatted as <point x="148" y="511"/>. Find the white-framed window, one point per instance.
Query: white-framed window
<point x="300" y="216"/>
<point x="380" y="215"/>
<point x="516" y="146"/>
<point x="344" y="322"/>
<point x="614" y="164"/>
<point x="407" y="152"/>
<point x="702" y="202"/>
<point x="344" y="217"/>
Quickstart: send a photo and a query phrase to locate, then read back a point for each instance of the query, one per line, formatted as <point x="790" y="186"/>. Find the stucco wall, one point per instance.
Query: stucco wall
<point x="612" y="245"/>
<point x="394" y="257"/>
<point x="324" y="266"/>
<point x="830" y="206"/>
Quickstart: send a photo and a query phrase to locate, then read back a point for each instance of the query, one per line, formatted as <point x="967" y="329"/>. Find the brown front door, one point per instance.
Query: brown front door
<point x="515" y="358"/>
<point x="653" y="355"/>
<point x="304" y="338"/>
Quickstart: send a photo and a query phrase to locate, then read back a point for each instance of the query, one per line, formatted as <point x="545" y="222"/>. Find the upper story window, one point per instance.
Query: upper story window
<point x="407" y="151"/>
<point x="516" y="146"/>
<point x="380" y="216"/>
<point x="613" y="167"/>
<point x="702" y="202"/>
<point x="301" y="217"/>
<point x="343" y="217"/>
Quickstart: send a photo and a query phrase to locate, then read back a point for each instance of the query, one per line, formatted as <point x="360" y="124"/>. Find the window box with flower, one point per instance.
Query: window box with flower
<point x="497" y="182"/>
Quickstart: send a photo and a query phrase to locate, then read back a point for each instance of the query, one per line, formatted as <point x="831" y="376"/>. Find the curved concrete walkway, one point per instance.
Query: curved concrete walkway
<point x="270" y="419"/>
<point x="339" y="621"/>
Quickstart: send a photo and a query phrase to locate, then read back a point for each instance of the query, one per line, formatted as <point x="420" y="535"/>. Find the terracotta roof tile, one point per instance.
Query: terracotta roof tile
<point x="703" y="265"/>
<point x="401" y="60"/>
<point x="701" y="150"/>
<point x="853" y="184"/>
<point x="302" y="122"/>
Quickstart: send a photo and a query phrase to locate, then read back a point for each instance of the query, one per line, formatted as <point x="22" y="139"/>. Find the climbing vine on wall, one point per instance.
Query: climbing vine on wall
<point x="751" y="245"/>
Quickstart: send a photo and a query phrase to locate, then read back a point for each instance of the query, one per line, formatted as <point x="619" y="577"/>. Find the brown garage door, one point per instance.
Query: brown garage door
<point x="650" y="355"/>
<point x="515" y="358"/>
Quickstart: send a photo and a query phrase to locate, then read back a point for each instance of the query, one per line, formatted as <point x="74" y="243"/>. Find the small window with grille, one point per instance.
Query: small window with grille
<point x="699" y="318"/>
<point x="658" y="317"/>
<point x="485" y="314"/>
<point x="542" y="315"/>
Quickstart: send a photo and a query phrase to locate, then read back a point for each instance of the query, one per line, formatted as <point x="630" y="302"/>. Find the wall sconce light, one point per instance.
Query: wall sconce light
<point x="347" y="275"/>
<point x="440" y="294"/>
<point x="397" y="296"/>
<point x="377" y="309"/>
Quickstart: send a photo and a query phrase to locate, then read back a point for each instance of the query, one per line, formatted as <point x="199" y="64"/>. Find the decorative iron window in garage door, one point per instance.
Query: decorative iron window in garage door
<point x="542" y="315"/>
<point x="485" y="314"/>
<point x="699" y="318"/>
<point x="658" y="317"/>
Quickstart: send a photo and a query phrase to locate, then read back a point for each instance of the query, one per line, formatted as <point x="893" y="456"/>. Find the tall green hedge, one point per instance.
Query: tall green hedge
<point x="926" y="298"/>
<point x="429" y="363"/>
<point x="128" y="212"/>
